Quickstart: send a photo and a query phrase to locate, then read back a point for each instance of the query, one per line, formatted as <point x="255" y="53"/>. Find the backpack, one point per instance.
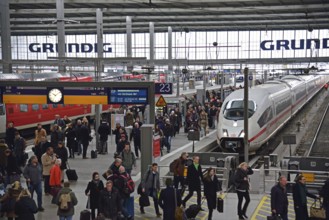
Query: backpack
<point x="172" y="165"/>
<point x="129" y="185"/>
<point x="65" y="202"/>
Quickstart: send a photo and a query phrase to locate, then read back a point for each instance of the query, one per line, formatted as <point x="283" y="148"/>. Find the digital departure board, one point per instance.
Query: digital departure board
<point x="127" y="96"/>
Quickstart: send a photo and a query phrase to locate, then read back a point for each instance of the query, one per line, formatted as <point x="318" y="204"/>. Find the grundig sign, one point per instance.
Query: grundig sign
<point x="295" y="44"/>
<point x="69" y="48"/>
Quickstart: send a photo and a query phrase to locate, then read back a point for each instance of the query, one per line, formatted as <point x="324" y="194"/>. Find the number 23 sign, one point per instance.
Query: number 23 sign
<point x="163" y="88"/>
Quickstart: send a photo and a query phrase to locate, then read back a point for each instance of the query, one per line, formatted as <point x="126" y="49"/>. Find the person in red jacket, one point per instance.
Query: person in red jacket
<point x="56" y="174"/>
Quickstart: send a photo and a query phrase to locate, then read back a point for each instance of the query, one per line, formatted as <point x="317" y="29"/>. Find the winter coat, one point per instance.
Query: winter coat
<point x="128" y="159"/>
<point x="55" y="176"/>
<point x="168" y="130"/>
<point x="74" y="202"/>
<point x="279" y="199"/>
<point x="40" y="149"/>
<point x="109" y="203"/>
<point x="120" y="184"/>
<point x="136" y="134"/>
<point x="33" y="173"/>
<point x="147" y="182"/>
<point x="70" y="137"/>
<point x="47" y="164"/>
<point x="10" y="196"/>
<point x="38" y="135"/>
<point x="129" y="119"/>
<point x="10" y="136"/>
<point x="84" y="134"/>
<point x="211" y="187"/>
<point x="55" y="137"/>
<point x="61" y="153"/>
<point x="324" y="192"/>
<point x="167" y="202"/>
<point x="194" y="177"/>
<point x="3" y="157"/>
<point x="25" y="208"/>
<point x="94" y="189"/>
<point x="299" y="194"/>
<point x="239" y="179"/>
<point x="103" y="131"/>
<point x="179" y="167"/>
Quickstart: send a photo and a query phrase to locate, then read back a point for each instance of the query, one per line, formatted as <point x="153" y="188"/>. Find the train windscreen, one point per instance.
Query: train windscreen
<point x="234" y="109"/>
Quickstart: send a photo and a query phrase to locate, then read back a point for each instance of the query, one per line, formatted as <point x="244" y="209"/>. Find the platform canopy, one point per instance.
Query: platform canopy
<point x="38" y="17"/>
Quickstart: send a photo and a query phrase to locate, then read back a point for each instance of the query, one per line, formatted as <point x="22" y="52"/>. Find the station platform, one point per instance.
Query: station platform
<point x="85" y="168"/>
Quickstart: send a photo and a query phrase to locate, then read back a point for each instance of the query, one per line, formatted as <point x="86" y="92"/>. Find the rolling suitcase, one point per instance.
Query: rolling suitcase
<point x="93" y="154"/>
<point x="192" y="211"/>
<point x="71" y="174"/>
<point x="85" y="215"/>
<point x="220" y="205"/>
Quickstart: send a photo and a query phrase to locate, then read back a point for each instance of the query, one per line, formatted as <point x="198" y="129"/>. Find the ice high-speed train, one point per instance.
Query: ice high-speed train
<point x="270" y="106"/>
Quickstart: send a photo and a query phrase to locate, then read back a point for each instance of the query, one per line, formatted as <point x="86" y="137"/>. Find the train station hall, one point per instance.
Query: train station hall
<point x="164" y="109"/>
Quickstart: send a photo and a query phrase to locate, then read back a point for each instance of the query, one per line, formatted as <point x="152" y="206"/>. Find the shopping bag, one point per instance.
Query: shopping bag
<point x="317" y="211"/>
<point x="179" y="213"/>
<point x="220" y="205"/>
<point x="144" y="200"/>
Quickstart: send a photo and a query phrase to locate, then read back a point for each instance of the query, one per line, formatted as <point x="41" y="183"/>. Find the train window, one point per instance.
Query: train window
<point x="35" y="107"/>
<point x="23" y="108"/>
<point x="55" y="105"/>
<point x="2" y="110"/>
<point x="234" y="109"/>
<point x="45" y="106"/>
<point x="10" y="110"/>
<point x="266" y="117"/>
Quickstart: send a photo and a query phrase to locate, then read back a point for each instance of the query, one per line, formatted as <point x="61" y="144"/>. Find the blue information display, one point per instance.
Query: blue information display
<point x="163" y="88"/>
<point x="127" y="96"/>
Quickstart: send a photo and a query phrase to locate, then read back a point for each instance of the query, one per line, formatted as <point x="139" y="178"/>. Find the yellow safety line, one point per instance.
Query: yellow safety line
<point x="262" y="201"/>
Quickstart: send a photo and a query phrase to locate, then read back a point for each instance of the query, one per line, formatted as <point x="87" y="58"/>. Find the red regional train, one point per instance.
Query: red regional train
<point x="26" y="116"/>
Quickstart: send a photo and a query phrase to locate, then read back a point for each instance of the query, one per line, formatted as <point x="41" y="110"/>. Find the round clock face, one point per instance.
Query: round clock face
<point x="55" y="95"/>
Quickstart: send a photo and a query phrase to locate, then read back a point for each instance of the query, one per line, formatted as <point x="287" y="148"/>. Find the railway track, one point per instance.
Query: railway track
<point x="319" y="146"/>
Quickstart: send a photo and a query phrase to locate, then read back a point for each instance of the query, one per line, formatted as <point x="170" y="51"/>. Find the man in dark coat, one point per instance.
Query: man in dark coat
<point x="194" y="177"/>
<point x="168" y="132"/>
<point x="103" y="131"/>
<point x="324" y="193"/>
<point x="61" y="153"/>
<point x="279" y="199"/>
<point x="41" y="148"/>
<point x="10" y="135"/>
<point x="168" y="201"/>
<point x="109" y="202"/>
<point x="179" y="168"/>
<point x="136" y="134"/>
<point x="84" y="138"/>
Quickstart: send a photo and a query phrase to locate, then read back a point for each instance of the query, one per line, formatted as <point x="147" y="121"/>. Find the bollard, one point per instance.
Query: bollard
<point x="298" y="126"/>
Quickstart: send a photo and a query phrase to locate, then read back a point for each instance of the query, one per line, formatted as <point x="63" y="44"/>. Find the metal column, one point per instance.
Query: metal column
<point x="5" y="36"/>
<point x="147" y="147"/>
<point x="245" y="116"/>
<point x="129" y="40"/>
<point x="152" y="51"/>
<point x="99" y="65"/>
<point x="60" y="33"/>
<point x="170" y="63"/>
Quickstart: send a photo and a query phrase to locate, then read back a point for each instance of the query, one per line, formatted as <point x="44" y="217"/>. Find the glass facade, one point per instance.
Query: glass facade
<point x="192" y="45"/>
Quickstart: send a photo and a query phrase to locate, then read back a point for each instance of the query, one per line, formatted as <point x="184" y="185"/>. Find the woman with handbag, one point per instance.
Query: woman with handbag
<point x="169" y="200"/>
<point x="211" y="187"/>
<point x="95" y="186"/>
<point x="299" y="194"/>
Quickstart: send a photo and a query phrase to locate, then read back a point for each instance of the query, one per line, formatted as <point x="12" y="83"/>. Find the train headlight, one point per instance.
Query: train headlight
<point x="235" y="123"/>
<point x="241" y="134"/>
<point x="225" y="133"/>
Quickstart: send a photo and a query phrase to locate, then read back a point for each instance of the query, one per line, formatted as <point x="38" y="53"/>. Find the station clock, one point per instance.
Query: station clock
<point x="55" y="96"/>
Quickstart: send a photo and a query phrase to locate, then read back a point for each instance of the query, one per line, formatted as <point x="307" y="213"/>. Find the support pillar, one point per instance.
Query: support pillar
<point x="5" y="36"/>
<point x="152" y="50"/>
<point x="245" y="116"/>
<point x="129" y="40"/>
<point x="147" y="149"/>
<point x="170" y="63"/>
<point x="60" y="33"/>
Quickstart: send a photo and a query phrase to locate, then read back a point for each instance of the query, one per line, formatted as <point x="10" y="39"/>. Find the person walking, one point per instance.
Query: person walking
<point x="168" y="201"/>
<point x="61" y="153"/>
<point x="95" y="186"/>
<point x="10" y="134"/>
<point x="109" y="202"/>
<point x="151" y="186"/>
<point x="128" y="158"/>
<point x="211" y="187"/>
<point x="168" y="132"/>
<point x="56" y="174"/>
<point x="33" y="175"/>
<point x="136" y="135"/>
<point x="103" y="131"/>
<point x="25" y="207"/>
<point x="84" y="138"/>
<point x="242" y="187"/>
<point x="194" y="177"/>
<point x="279" y="199"/>
<point x="70" y="135"/>
<point x="299" y="194"/>
<point x="66" y="200"/>
<point x="179" y="167"/>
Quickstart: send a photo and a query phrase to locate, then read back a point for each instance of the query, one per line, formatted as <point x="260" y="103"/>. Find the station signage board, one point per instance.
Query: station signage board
<point x="128" y="96"/>
<point x="163" y="88"/>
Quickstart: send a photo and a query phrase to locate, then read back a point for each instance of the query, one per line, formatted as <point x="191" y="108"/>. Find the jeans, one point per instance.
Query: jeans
<point x="37" y="187"/>
<point x="240" y="199"/>
<point x="85" y="148"/>
<point x="65" y="217"/>
<point x="124" y="210"/>
<point x="167" y="142"/>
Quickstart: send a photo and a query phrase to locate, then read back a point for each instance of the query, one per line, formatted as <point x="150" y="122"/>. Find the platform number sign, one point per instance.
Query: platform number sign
<point x="163" y="88"/>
